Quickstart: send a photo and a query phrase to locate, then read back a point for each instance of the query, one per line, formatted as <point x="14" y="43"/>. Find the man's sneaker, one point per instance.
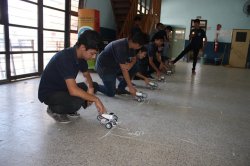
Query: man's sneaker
<point x="150" y="76"/>
<point x="74" y="115"/>
<point x="61" y="118"/>
<point x="193" y="72"/>
<point x="121" y="92"/>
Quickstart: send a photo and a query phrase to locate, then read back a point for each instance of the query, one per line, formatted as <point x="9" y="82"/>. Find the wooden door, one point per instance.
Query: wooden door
<point x="239" y="48"/>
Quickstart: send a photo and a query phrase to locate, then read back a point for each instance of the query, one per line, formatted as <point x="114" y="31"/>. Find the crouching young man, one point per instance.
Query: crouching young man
<point x="58" y="88"/>
<point x="113" y="60"/>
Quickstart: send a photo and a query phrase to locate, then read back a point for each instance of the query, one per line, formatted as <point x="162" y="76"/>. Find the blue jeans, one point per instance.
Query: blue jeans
<point x="109" y="85"/>
<point x="109" y="82"/>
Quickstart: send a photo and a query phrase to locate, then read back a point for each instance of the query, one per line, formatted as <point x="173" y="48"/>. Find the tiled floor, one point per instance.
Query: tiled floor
<point x="201" y="120"/>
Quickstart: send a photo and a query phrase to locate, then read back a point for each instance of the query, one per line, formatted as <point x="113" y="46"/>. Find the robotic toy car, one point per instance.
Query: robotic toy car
<point x="161" y="79"/>
<point x="153" y="85"/>
<point x="169" y="72"/>
<point x="109" y="120"/>
<point x="140" y="96"/>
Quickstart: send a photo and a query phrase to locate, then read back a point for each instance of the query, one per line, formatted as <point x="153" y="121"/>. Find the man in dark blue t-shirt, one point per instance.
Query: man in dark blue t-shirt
<point x="197" y="37"/>
<point x="58" y="88"/>
<point x="113" y="60"/>
<point x="154" y="55"/>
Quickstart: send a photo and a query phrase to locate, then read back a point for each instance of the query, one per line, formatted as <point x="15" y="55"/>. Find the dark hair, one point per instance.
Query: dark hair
<point x="196" y="21"/>
<point x="90" y="39"/>
<point x="169" y="28"/>
<point x="143" y="49"/>
<point x="159" y="24"/>
<point x="140" y="38"/>
<point x="157" y="35"/>
<point x="137" y="18"/>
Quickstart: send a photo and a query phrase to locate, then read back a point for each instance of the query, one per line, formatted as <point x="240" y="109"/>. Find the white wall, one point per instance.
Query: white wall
<point x="228" y="13"/>
<point x="107" y="19"/>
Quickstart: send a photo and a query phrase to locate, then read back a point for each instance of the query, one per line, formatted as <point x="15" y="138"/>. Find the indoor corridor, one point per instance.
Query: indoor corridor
<point x="198" y="120"/>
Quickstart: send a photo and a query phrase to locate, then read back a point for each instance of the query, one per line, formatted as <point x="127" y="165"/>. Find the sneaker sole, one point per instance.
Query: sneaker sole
<point x="54" y="117"/>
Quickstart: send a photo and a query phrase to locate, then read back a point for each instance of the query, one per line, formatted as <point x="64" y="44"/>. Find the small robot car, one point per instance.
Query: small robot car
<point x="153" y="85"/>
<point x="161" y="79"/>
<point x="109" y="120"/>
<point x="169" y="72"/>
<point x="140" y="96"/>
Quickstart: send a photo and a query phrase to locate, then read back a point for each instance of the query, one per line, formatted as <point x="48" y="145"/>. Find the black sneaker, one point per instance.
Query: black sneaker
<point x="61" y="118"/>
<point x="150" y="76"/>
<point x="193" y="72"/>
<point x="121" y="92"/>
<point x="74" y="115"/>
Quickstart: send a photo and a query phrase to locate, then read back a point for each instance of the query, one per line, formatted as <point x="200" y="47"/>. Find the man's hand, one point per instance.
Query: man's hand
<point x="100" y="107"/>
<point x="162" y="67"/>
<point x="132" y="90"/>
<point x="146" y="80"/>
<point x="158" y="74"/>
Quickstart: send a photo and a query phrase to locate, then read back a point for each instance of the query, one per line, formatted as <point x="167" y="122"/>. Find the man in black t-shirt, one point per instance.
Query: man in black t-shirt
<point x="58" y="88"/>
<point x="154" y="55"/>
<point x="113" y="60"/>
<point x="197" y="35"/>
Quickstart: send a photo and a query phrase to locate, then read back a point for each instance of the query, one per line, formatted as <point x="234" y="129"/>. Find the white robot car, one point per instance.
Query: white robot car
<point x="169" y="72"/>
<point x="153" y="85"/>
<point x="140" y="96"/>
<point x="161" y="79"/>
<point x="109" y="120"/>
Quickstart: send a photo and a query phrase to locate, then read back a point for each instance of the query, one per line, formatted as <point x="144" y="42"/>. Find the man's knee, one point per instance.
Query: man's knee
<point x="110" y="93"/>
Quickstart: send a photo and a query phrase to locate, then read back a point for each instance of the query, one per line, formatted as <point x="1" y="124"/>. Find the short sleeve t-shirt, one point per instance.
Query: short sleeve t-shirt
<point x="63" y="65"/>
<point x="198" y="34"/>
<point x="114" y="54"/>
<point x="152" y="50"/>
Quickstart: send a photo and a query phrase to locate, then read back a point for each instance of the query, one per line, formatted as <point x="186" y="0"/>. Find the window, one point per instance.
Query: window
<point x="19" y="36"/>
<point x="74" y="5"/>
<point x="59" y="4"/>
<point x="73" y="23"/>
<point x="22" y="13"/>
<point x="53" y="19"/>
<point x="2" y="43"/>
<point x="23" y="41"/>
<point x="53" y="41"/>
<point x="241" y="36"/>
<point x="23" y="27"/>
<point x="46" y="58"/>
<point x="143" y="6"/>
<point x="2" y="67"/>
<point x="23" y="63"/>
<point x="73" y="39"/>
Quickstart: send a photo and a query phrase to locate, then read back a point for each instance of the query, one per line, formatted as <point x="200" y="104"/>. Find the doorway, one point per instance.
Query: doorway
<point x="239" y="48"/>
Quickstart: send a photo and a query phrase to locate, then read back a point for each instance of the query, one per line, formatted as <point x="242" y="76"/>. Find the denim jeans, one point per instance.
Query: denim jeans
<point x="109" y="85"/>
<point x="109" y="82"/>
